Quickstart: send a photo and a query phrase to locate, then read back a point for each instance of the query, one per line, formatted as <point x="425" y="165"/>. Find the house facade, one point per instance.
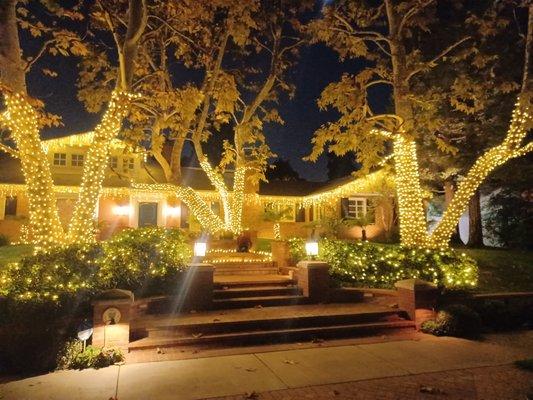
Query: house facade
<point x="133" y="196"/>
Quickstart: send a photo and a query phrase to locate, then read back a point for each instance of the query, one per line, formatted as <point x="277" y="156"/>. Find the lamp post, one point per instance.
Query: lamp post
<point x="311" y="248"/>
<point x="200" y="248"/>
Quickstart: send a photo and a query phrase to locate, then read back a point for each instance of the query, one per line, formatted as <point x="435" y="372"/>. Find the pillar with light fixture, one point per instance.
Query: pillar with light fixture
<point x="311" y="249"/>
<point x="313" y="276"/>
<point x="200" y="248"/>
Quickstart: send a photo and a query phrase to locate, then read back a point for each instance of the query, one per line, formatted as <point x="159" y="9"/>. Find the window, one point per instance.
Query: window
<point x="300" y="214"/>
<point x="11" y="206"/>
<point x="356" y="207"/>
<point x="113" y="162"/>
<point x="128" y="163"/>
<point x="280" y="212"/>
<point x="60" y="159"/>
<point x="77" y="160"/>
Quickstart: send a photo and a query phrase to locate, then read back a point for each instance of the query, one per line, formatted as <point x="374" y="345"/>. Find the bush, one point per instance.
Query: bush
<point x="43" y="297"/>
<point x="146" y="261"/>
<point x="4" y="240"/>
<point x="496" y="315"/>
<point x="296" y="249"/>
<point x="72" y="356"/>
<point x="455" y="320"/>
<point x="378" y="265"/>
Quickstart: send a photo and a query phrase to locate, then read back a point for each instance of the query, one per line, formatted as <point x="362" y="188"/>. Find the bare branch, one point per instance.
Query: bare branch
<point x="431" y="63"/>
<point x="412" y="12"/>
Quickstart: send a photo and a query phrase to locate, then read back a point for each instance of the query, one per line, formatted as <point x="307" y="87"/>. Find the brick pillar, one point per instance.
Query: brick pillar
<point x="280" y="253"/>
<point x="418" y="298"/>
<point x="111" y="319"/>
<point x="313" y="279"/>
<point x="196" y="289"/>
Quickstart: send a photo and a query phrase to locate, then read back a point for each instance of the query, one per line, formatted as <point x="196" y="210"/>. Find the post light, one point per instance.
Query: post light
<point x="311" y="248"/>
<point x="200" y="248"/>
<point x="122" y="210"/>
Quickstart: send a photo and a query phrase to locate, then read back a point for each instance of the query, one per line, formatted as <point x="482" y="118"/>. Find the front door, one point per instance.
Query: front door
<point x="147" y="214"/>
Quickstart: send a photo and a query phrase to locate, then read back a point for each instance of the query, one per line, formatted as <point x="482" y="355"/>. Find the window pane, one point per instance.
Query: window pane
<point x="11" y="206"/>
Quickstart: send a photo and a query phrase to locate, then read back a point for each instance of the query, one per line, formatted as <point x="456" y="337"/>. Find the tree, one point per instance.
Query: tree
<point x="23" y="116"/>
<point x="243" y="52"/>
<point x="393" y="37"/>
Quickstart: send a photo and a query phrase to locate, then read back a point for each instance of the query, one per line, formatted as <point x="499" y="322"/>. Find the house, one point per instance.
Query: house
<point x="133" y="197"/>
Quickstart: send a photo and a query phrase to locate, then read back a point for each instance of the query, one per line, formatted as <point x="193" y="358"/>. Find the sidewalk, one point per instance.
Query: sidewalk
<point x="380" y="370"/>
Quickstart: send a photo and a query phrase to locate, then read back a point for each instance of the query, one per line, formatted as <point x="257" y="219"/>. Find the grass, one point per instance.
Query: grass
<point x="14" y="253"/>
<point x="503" y="270"/>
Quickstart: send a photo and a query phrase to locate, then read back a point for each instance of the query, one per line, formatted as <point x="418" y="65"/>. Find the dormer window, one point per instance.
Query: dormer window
<point x="128" y="164"/>
<point x="60" y="159"/>
<point x="77" y="160"/>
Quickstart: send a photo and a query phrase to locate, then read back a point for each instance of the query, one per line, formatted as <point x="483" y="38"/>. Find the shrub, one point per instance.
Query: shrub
<point x="455" y="320"/>
<point x="146" y="261"/>
<point x="72" y="356"/>
<point x="498" y="315"/>
<point x="378" y="265"/>
<point x="4" y="240"/>
<point x="296" y="249"/>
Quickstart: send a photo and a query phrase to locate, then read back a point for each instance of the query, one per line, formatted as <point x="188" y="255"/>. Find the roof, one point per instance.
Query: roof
<point x="77" y="140"/>
<point x="298" y="187"/>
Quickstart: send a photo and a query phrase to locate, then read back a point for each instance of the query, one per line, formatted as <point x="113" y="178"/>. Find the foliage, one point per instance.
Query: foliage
<point x="510" y="220"/>
<point x="296" y="249"/>
<point x="57" y="275"/>
<point x="72" y="356"/>
<point x="144" y="260"/>
<point x="371" y="264"/>
<point x="455" y="320"/>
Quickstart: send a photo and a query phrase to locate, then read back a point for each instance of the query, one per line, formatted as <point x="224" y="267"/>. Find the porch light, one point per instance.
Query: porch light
<point x="172" y="211"/>
<point x="311" y="248"/>
<point x="200" y="248"/>
<point x="122" y="210"/>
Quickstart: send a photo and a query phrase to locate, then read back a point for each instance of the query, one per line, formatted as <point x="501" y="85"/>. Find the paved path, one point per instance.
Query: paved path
<point x="381" y="370"/>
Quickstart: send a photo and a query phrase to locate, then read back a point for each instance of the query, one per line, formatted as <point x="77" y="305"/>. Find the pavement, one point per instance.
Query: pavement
<point x="430" y="367"/>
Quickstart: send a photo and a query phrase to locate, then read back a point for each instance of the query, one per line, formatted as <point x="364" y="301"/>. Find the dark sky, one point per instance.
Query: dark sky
<point x="317" y="67"/>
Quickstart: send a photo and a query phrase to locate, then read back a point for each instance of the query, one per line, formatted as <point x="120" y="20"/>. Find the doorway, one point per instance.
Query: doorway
<point x="147" y="214"/>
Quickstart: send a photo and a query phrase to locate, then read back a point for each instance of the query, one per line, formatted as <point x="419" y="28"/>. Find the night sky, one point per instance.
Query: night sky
<point x="317" y="67"/>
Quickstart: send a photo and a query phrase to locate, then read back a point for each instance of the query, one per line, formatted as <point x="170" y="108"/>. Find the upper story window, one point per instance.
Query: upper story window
<point x="113" y="162"/>
<point x="60" y="158"/>
<point x="128" y="164"/>
<point x="77" y="160"/>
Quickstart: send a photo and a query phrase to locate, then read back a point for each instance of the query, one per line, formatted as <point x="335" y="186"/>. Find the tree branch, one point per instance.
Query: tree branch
<point x="9" y="150"/>
<point x="443" y="53"/>
<point x="413" y="11"/>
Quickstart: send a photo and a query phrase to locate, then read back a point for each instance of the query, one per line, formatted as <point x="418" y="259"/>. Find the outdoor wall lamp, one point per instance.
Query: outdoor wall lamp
<point x="172" y="211"/>
<point x="122" y="210"/>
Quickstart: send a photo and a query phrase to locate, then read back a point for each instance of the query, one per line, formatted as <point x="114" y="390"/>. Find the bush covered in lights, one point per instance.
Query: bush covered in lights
<point x="44" y="297"/>
<point x="146" y="261"/>
<point x="371" y="264"/>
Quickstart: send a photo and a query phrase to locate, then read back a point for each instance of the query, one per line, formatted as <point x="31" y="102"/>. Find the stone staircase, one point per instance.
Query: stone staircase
<point x="259" y="309"/>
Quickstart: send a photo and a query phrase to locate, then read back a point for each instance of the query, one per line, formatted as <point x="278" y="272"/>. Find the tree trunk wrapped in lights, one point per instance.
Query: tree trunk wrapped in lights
<point x="200" y="209"/>
<point x="521" y="123"/>
<point x="413" y="228"/>
<point x="82" y="226"/>
<point x="44" y="224"/>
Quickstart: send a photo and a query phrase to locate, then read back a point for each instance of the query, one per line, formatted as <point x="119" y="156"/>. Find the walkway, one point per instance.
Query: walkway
<point x="409" y="369"/>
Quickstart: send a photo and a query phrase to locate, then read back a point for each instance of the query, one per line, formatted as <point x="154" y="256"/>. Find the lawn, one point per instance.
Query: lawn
<point x="13" y="253"/>
<point x="503" y="270"/>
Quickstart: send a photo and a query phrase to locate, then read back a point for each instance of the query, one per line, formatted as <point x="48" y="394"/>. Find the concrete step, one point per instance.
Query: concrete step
<point x="272" y="335"/>
<point x="261" y="301"/>
<point x="246" y="272"/>
<point x="174" y="326"/>
<point x="235" y="281"/>
<point x="256" y="291"/>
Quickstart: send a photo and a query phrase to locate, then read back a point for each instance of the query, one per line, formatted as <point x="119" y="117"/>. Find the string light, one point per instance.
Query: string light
<point x="82" y="227"/>
<point x="521" y="123"/>
<point x="44" y="225"/>
<point x="413" y="229"/>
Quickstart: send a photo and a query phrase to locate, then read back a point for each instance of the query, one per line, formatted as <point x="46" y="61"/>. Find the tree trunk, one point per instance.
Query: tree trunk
<point x="475" y="231"/>
<point x="82" y="227"/>
<point x="413" y="229"/>
<point x="175" y="159"/>
<point x="11" y="64"/>
<point x="21" y="119"/>
<point x="449" y="191"/>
